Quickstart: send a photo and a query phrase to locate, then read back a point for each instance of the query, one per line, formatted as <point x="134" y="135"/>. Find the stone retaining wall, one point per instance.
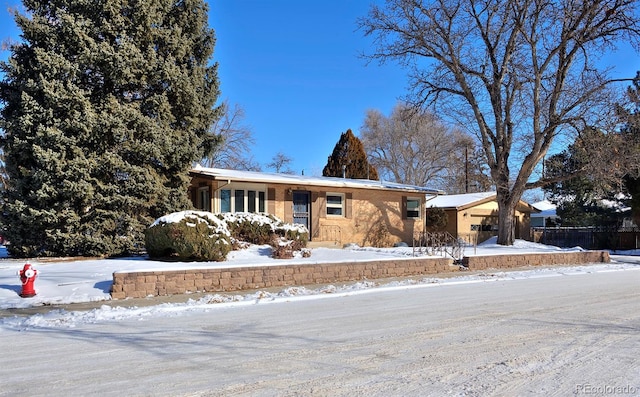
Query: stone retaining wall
<point x="170" y="282"/>
<point x="156" y="283"/>
<point x="539" y="259"/>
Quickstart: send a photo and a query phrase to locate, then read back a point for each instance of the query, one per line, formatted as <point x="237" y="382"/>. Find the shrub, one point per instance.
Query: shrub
<point x="203" y="236"/>
<point x="261" y="228"/>
<point x="436" y="219"/>
<point x="286" y="249"/>
<point x="188" y="235"/>
<point x="247" y="227"/>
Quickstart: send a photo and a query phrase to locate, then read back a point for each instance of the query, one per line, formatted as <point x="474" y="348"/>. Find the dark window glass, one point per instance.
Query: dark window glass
<point x="239" y="204"/>
<point x="225" y="201"/>
<point x="251" y="201"/>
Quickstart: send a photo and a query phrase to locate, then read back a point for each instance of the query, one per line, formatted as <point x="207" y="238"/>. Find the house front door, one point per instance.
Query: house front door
<point x="301" y="208"/>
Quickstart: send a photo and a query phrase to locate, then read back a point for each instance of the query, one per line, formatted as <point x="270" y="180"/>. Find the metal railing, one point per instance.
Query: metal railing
<point x="438" y="244"/>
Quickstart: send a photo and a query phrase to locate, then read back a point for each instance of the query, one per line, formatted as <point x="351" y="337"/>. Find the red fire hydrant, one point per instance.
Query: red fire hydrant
<point x="28" y="277"/>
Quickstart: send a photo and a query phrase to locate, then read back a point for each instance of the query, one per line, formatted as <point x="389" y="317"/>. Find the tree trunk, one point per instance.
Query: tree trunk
<point x="506" y="218"/>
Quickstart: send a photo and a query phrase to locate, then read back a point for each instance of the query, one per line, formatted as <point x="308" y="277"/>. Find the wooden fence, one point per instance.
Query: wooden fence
<point x="588" y="237"/>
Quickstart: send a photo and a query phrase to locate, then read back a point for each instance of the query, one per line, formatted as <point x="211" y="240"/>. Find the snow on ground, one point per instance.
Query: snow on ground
<point x="77" y="281"/>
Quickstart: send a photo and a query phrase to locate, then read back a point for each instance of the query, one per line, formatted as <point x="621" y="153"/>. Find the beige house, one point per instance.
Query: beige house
<point x="473" y="217"/>
<point x="335" y="210"/>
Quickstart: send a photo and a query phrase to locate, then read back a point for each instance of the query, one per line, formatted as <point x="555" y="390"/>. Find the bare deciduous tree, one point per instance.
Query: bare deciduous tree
<point x="415" y="147"/>
<point x="236" y="139"/>
<point x="467" y="171"/>
<point x="280" y="163"/>
<point x="524" y="71"/>
<point x="408" y="146"/>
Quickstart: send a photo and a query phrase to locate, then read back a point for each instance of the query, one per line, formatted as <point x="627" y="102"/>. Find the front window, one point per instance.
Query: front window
<point x="204" y="203"/>
<point x="225" y="200"/>
<point x="261" y="201"/>
<point x="335" y="204"/>
<point x="242" y="200"/>
<point x="484" y="228"/>
<point x="239" y="201"/>
<point x="251" y="201"/>
<point x="413" y="208"/>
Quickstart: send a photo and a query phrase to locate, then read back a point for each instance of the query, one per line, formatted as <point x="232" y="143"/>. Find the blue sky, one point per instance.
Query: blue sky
<point x="294" y="67"/>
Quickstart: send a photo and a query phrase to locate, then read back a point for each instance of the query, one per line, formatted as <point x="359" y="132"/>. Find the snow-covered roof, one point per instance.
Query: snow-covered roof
<point x="302" y="180"/>
<point x="547" y="209"/>
<point x="459" y="200"/>
<point x="544" y="205"/>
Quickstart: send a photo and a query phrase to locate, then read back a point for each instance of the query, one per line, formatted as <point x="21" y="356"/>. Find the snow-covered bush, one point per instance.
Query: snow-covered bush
<point x="203" y="236"/>
<point x="261" y="228"/>
<point x="286" y="249"/>
<point x="188" y="235"/>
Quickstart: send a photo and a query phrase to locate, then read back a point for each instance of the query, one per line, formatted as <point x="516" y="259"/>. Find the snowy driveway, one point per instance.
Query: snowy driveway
<point x="558" y="335"/>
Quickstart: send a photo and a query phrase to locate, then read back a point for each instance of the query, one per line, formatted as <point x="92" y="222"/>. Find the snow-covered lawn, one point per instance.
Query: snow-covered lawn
<point x="560" y="333"/>
<point x="78" y="281"/>
<point x="567" y="330"/>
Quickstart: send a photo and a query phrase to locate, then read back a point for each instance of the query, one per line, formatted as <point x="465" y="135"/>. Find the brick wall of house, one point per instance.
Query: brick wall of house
<point x="371" y="212"/>
<point x="157" y="283"/>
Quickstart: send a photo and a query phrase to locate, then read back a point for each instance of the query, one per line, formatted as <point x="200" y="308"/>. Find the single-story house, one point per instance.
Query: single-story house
<point x="547" y="211"/>
<point x="473" y="217"/>
<point x="335" y="210"/>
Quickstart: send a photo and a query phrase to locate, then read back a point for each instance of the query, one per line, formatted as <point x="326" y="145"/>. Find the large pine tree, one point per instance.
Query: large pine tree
<point x="349" y="160"/>
<point x="106" y="104"/>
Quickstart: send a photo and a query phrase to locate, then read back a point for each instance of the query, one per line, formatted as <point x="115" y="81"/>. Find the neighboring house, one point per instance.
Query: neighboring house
<point x="474" y="216"/>
<point x="547" y="211"/>
<point x="335" y="210"/>
<point x="547" y="216"/>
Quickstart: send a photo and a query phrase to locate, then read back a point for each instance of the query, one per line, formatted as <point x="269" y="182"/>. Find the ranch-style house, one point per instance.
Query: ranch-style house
<point x="336" y="211"/>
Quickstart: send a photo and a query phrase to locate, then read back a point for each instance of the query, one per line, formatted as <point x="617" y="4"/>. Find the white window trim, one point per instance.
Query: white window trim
<point x="258" y="188"/>
<point x="417" y="208"/>
<point x="331" y="205"/>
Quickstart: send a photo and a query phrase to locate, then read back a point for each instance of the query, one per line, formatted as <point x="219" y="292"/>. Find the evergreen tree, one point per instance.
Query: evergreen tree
<point x="106" y="104"/>
<point x="580" y="199"/>
<point x="349" y="160"/>
<point x="436" y="219"/>
<point x="631" y="132"/>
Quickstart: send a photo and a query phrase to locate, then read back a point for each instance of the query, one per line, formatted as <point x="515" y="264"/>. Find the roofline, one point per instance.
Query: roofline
<point x="486" y="200"/>
<point x="467" y="205"/>
<point x="324" y="181"/>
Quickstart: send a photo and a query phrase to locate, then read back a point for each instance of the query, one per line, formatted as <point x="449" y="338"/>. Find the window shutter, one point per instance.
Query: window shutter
<point x="348" y="205"/>
<point x="271" y="200"/>
<point x="316" y="213"/>
<point x="322" y="204"/>
<point x="404" y="207"/>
